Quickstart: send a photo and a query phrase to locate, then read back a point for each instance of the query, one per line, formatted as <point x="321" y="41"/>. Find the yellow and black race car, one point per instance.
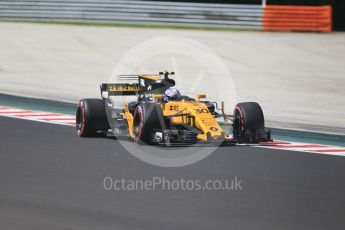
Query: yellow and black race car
<point x="155" y="119"/>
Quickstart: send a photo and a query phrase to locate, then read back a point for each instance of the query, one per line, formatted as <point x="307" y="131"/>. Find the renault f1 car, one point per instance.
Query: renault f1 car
<point x="152" y="120"/>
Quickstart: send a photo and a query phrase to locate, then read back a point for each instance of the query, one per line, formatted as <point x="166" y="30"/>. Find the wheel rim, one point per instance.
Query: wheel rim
<point x="80" y="121"/>
<point x="238" y="113"/>
<point x="137" y="124"/>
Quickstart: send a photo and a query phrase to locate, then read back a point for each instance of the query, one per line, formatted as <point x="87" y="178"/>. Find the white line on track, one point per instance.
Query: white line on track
<point x="69" y="120"/>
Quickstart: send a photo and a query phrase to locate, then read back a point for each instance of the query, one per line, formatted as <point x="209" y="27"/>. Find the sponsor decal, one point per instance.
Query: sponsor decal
<point x="202" y="111"/>
<point x="124" y="87"/>
<point x="174" y="108"/>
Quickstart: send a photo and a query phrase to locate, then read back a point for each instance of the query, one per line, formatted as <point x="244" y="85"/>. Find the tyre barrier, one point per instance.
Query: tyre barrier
<point x="298" y="18"/>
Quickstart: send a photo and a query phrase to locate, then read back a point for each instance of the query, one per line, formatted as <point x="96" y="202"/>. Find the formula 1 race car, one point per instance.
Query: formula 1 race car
<point x="151" y="119"/>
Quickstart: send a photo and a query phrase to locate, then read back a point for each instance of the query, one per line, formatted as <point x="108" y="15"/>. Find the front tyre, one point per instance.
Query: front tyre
<point x="147" y="118"/>
<point x="91" y="118"/>
<point x="249" y="123"/>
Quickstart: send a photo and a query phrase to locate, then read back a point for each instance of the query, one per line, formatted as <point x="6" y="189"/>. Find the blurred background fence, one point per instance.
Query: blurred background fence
<point x="152" y="12"/>
<point x="219" y="15"/>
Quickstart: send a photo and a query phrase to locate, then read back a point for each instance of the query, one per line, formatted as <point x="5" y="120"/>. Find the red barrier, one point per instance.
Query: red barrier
<point x="298" y="18"/>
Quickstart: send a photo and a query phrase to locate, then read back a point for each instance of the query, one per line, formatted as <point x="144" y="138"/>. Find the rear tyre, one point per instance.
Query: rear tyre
<point x="147" y="117"/>
<point x="249" y="123"/>
<point x="91" y="118"/>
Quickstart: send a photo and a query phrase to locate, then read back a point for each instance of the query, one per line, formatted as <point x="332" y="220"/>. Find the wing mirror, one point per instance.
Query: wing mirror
<point x="200" y="96"/>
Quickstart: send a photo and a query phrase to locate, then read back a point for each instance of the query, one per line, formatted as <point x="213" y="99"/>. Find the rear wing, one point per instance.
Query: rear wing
<point x="145" y="84"/>
<point x="121" y="89"/>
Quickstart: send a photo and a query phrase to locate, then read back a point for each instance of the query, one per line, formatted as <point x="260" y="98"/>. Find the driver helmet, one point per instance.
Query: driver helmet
<point x="171" y="94"/>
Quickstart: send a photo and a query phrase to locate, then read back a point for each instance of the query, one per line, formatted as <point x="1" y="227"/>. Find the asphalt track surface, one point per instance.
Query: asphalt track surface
<point x="52" y="179"/>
